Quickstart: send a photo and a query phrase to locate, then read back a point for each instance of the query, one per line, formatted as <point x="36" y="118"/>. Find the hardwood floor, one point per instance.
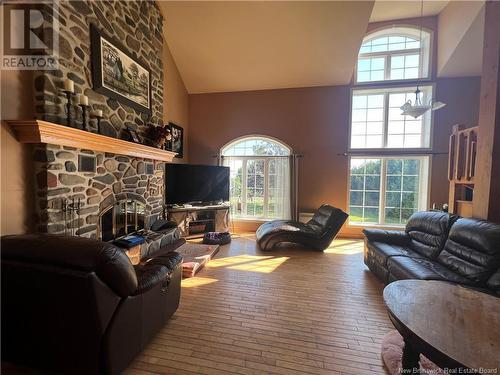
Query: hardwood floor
<point x="291" y="311"/>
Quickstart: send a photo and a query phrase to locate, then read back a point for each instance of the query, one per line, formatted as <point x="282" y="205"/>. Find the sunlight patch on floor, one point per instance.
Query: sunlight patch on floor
<point x="197" y="281"/>
<point x="255" y="263"/>
<point x="345" y="247"/>
<point x="232" y="260"/>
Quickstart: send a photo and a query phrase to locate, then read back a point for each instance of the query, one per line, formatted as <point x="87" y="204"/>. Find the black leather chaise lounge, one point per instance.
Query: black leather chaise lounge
<point x="316" y="234"/>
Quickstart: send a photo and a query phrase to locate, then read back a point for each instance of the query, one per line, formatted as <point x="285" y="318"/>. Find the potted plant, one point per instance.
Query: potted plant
<point x="159" y="134"/>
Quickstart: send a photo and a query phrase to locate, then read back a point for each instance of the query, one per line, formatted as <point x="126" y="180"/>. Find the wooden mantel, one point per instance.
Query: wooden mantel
<point x="37" y="131"/>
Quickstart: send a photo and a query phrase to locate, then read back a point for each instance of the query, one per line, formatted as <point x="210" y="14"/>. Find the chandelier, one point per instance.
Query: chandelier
<point x="417" y="108"/>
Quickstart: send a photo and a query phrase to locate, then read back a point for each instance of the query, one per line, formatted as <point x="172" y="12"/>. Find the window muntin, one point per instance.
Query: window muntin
<point x="255" y="146"/>
<point x="371" y="69"/>
<point x="389" y="43"/>
<point x="397" y="53"/>
<point x="377" y="123"/>
<point x="387" y="190"/>
<point x="364" y="191"/>
<point x="259" y="178"/>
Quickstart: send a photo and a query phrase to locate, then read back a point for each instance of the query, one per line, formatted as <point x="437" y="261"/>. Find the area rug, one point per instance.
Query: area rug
<point x="392" y="353"/>
<point x="195" y="257"/>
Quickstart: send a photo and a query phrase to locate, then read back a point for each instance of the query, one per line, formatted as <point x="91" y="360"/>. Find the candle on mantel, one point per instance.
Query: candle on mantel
<point x="97" y="113"/>
<point x="83" y="100"/>
<point x="69" y="86"/>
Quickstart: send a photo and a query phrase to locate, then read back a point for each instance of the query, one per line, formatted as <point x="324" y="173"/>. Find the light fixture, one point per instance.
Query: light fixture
<point x="417" y="109"/>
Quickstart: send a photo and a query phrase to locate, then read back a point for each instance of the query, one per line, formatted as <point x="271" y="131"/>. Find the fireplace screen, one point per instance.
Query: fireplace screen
<point x="122" y="218"/>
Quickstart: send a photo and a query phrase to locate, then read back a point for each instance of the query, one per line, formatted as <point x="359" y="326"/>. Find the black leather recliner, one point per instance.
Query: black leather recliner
<point x="316" y="234"/>
<point x="437" y="246"/>
<point x="76" y="305"/>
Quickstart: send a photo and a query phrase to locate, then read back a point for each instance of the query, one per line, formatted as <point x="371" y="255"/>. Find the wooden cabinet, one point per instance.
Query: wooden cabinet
<point x="196" y="221"/>
<point x="462" y="169"/>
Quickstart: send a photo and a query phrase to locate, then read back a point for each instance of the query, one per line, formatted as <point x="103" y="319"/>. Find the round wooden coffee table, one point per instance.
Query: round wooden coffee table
<point x="453" y="326"/>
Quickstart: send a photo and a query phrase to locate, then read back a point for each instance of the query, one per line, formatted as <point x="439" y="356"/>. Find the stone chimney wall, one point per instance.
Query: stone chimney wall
<point x="138" y="25"/>
<point x="117" y="177"/>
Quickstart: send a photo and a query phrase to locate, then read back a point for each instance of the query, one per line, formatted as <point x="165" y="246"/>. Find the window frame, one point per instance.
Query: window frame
<point x="245" y="158"/>
<point x="424" y="184"/>
<point x="426" y="55"/>
<point x="386" y="90"/>
<point x="427" y="43"/>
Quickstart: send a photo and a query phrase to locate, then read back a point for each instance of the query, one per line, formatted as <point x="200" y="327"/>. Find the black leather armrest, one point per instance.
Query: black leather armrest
<point x="396" y="237"/>
<point x="149" y="275"/>
<point x="170" y="260"/>
<point x="164" y="250"/>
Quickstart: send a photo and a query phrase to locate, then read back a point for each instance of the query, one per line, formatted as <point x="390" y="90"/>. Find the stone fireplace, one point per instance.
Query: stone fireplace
<point x="122" y="195"/>
<point x="87" y="181"/>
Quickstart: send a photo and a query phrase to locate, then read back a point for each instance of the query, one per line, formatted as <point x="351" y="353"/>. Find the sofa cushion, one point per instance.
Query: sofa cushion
<point x="401" y="267"/>
<point x="472" y="250"/>
<point x="428" y="231"/>
<point x="381" y="251"/>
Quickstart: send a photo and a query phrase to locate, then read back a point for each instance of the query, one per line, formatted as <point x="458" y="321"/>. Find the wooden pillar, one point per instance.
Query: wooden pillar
<point x="486" y="202"/>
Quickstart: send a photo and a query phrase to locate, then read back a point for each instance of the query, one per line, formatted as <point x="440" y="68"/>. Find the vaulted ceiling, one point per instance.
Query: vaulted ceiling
<point x="221" y="46"/>
<point x="396" y="10"/>
<point x="237" y="46"/>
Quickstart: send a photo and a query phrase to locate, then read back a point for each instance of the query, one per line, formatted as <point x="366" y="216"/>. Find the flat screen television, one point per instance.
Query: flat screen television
<point x="187" y="183"/>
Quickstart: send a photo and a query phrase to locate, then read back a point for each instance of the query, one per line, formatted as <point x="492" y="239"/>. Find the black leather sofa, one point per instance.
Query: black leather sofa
<point x="77" y="306"/>
<point x="437" y="246"/>
<point x="316" y="234"/>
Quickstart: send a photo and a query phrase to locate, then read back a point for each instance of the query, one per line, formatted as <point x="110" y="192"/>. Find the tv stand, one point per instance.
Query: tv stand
<point x="195" y="221"/>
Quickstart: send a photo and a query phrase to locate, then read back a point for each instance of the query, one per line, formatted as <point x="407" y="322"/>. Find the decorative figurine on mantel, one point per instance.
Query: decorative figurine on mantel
<point x="159" y="135"/>
<point x="69" y="90"/>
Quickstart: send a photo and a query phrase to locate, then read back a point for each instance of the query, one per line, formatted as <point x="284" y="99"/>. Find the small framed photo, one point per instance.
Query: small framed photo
<point x="176" y="144"/>
<point x="133" y="135"/>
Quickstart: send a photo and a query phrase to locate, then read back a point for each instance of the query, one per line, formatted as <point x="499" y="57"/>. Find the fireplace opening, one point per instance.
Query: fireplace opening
<point x="124" y="217"/>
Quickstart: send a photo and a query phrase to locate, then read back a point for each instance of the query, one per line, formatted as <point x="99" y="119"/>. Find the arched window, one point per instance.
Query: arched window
<point x="396" y="53"/>
<point x="388" y="189"/>
<point x="260" y="177"/>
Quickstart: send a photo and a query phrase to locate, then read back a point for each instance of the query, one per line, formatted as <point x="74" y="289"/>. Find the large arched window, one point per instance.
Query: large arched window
<point x="260" y="177"/>
<point x="388" y="189"/>
<point x="395" y="53"/>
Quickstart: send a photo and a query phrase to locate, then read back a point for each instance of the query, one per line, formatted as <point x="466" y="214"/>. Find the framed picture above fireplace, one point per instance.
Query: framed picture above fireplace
<point x="117" y="74"/>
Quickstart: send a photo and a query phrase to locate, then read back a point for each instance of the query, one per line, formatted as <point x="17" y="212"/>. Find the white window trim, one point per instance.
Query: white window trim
<point x="244" y="215"/>
<point x="387" y="90"/>
<point x="404" y="30"/>
<point x="424" y="187"/>
<point x="253" y="137"/>
<point x="245" y="159"/>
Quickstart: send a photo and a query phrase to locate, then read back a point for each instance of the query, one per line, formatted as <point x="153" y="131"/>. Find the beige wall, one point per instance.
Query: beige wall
<point x="312" y="121"/>
<point x="454" y="22"/>
<point x="17" y="189"/>
<point x="315" y="123"/>
<point x="175" y="98"/>
<point x="17" y="192"/>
